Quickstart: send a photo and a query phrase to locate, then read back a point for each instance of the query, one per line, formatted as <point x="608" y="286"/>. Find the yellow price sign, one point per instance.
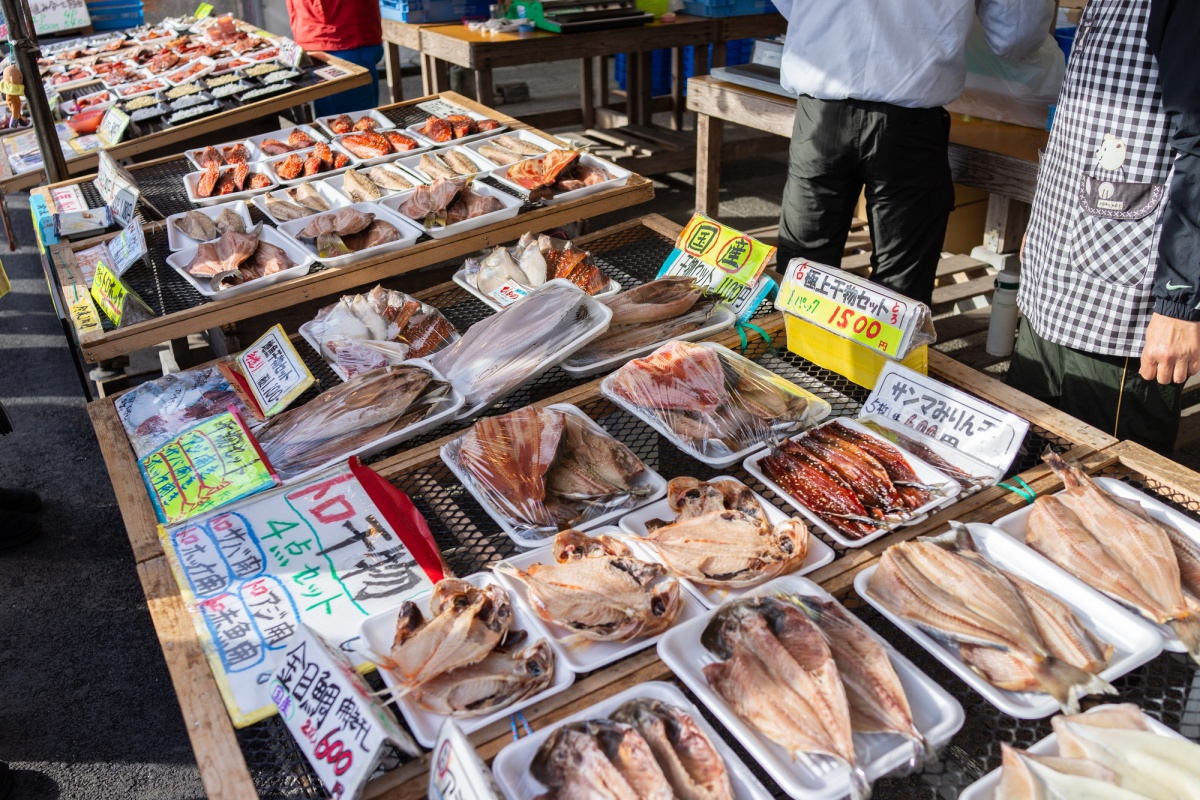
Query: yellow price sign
<point x="109" y="293"/>
<point x="5" y="284"/>
<point x="84" y="314"/>
<point x="839" y="318"/>
<point x="202" y="11"/>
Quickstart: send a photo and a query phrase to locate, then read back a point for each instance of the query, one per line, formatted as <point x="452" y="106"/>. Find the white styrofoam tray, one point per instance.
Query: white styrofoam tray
<point x="600" y="312"/>
<point x="384" y="122"/>
<point x="323" y="188"/>
<point x="193" y="156"/>
<point x="423" y="145"/>
<point x="409" y="234"/>
<point x="193" y="178"/>
<point x="985" y="788"/>
<point x="209" y="66"/>
<point x="511" y="206"/>
<point x="936" y="714"/>
<point x="472" y="137"/>
<point x="460" y="277"/>
<point x="619" y="176"/>
<point x="928" y="475"/>
<point x="177" y="239"/>
<point x="818" y="409"/>
<point x="634" y="523"/>
<point x="269" y="164"/>
<point x="511" y="767"/>
<point x="229" y="64"/>
<point x="648" y="479"/>
<point x="379" y="631"/>
<point x="124" y="91"/>
<point x="721" y="318"/>
<point x="584" y="655"/>
<point x="412" y="163"/>
<point x="1134" y="641"/>
<point x="1014" y="525"/>
<point x="521" y="134"/>
<point x="338" y="182"/>
<point x="71" y="106"/>
<point x="181" y="258"/>
<point x="282" y="136"/>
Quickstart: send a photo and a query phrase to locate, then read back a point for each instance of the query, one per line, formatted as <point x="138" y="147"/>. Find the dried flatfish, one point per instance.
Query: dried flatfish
<point x="518" y="145"/>
<point x="497" y="681"/>
<point x="688" y="759"/>
<point x="283" y="209"/>
<point x="197" y="225"/>
<point x="654" y="301"/>
<point x="435" y="167"/>
<point x="388" y="178"/>
<point x="230" y="220"/>
<point x="359" y="187"/>
<point x="499" y="155"/>
<point x="308" y="197"/>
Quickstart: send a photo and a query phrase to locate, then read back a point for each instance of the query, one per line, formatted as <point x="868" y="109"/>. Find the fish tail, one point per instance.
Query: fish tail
<point x="957" y="538"/>
<point x="1067" y="683"/>
<point x="1188" y="630"/>
<point x="860" y="785"/>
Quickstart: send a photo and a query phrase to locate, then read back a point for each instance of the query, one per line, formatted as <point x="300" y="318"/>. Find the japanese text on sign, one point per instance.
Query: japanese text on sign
<point x="290" y="53"/>
<point x="127" y="247"/>
<point x="276" y="374"/>
<point x="321" y="553"/>
<point x="117" y="188"/>
<point x="727" y="263"/>
<point x="113" y="126"/>
<point x="58" y="15"/>
<point x="508" y="293"/>
<point x="109" y="293"/>
<point x="328" y="710"/>
<point x="440" y="108"/>
<point x="81" y="308"/>
<point x="947" y="415"/>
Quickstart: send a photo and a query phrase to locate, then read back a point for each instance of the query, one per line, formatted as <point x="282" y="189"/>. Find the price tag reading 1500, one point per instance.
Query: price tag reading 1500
<point x="842" y="319"/>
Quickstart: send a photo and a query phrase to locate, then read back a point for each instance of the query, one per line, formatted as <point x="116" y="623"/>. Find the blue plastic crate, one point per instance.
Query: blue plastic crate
<point x="736" y="8"/>
<point x="110" y="15"/>
<point x="737" y="51"/>
<point x="417" y="11"/>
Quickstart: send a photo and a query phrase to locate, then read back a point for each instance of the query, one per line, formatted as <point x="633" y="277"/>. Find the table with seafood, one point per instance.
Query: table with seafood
<point x="176" y="80"/>
<point x="700" y="571"/>
<point x="252" y="225"/>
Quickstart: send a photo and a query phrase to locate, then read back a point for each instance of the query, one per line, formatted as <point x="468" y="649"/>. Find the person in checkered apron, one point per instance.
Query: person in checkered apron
<point x="1110" y="284"/>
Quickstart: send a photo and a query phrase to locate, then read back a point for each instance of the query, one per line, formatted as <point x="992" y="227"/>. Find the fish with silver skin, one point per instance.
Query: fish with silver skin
<point x="499" y="155"/>
<point x="198" y="226"/>
<point x="516" y="144"/>
<point x="688" y="759"/>
<point x="359" y="187"/>
<point x="435" y="167"/>
<point x="388" y="178"/>
<point x="230" y="220"/>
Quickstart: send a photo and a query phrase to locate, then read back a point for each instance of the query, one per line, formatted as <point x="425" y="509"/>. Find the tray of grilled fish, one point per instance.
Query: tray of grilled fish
<point x="647" y="741"/>
<point x="1134" y="548"/>
<point x="819" y="700"/>
<point x="1017" y="629"/>
<point x="464" y="651"/>
<point x="595" y="597"/>
<point x="721" y="538"/>
<point x="853" y="484"/>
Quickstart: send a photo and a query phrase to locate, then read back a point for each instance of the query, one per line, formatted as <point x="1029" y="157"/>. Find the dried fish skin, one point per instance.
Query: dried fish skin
<point x="308" y="197"/>
<point x="360" y="188"/>
<point x="499" y="680"/>
<point x="388" y="178"/>
<point x="230" y="220"/>
<point x="688" y="759"/>
<point x="1025" y="776"/>
<point x="1153" y="766"/>
<point x="197" y="225"/>
<point x="284" y="210"/>
<point x="508" y="456"/>
<point x="654" y="301"/>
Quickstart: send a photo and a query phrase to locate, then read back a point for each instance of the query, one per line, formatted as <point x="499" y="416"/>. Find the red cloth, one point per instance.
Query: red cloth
<point x="335" y="24"/>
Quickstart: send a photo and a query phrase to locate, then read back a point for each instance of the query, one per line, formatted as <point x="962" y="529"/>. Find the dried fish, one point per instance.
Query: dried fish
<point x="622" y="339"/>
<point x="516" y="144"/>
<point x="433" y="166"/>
<point x="499" y="155"/>
<point x="230" y="220"/>
<point x="197" y="225"/>
<point x="343" y="221"/>
<point x="308" y="197"/>
<point x="688" y="759"/>
<point x="572" y="764"/>
<point x="500" y="679"/>
<point x="388" y="178"/>
<point x="284" y="210"/>
<point x="360" y="188"/>
<point x="460" y="163"/>
<point x="654" y="301"/>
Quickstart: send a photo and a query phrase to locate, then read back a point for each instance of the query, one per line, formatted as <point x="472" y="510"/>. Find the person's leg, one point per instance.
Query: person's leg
<point x="1036" y="367"/>
<point x="822" y="185"/>
<point x="909" y="195"/>
<point x="361" y="97"/>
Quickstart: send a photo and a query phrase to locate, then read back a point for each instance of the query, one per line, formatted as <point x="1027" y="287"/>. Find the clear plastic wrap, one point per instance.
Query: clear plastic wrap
<point x="349" y="418"/>
<point x="499" y="353"/>
<point x="542" y="470"/>
<point x="532" y="262"/>
<point x="384" y="327"/>
<point x="711" y="402"/>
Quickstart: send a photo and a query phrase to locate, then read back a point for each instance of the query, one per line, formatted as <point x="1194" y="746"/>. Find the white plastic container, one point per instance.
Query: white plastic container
<point x="379" y="631"/>
<point x="1014" y="525"/>
<point x="409" y="235"/>
<point x="178" y="240"/>
<point x="1134" y="642"/>
<point x="460" y="277"/>
<point x="511" y="767"/>
<point x="179" y="261"/>
<point x="338" y="182"/>
<point x="383" y="122"/>
<point x="654" y="484"/>
<point x="634" y="523"/>
<point x="948" y="489"/>
<point x="322" y="188"/>
<point x="619" y="176"/>
<point x="192" y="179"/>
<point x="511" y="207"/>
<point x="935" y="713"/>
<point x="584" y="655"/>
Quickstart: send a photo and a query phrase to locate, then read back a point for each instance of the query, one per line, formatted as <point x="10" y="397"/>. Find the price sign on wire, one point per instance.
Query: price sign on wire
<point x="440" y="108"/>
<point x="726" y="262"/>
<point x="840" y="303"/>
<point x="118" y="189"/>
<point x="202" y="11"/>
<point x="457" y="770"/>
<point x="276" y="373"/>
<point x="290" y="53"/>
<point x="109" y="293"/>
<point x="127" y="247"/>
<point x="328" y="709"/>
<point x="113" y="126"/>
<point x="946" y="415"/>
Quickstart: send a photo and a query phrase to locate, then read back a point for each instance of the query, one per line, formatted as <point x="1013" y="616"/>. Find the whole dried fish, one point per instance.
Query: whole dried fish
<point x="621" y="339"/>
<point x="631" y="755"/>
<point x="572" y="764"/>
<point x="689" y="761"/>
<point x="433" y="166"/>
<point x="284" y="210"/>
<point x="388" y="178"/>
<point x="922" y="451"/>
<point x="197" y="225"/>
<point x="359" y="187"/>
<point x="460" y="163"/>
<point x="308" y="197"/>
<point x="499" y="155"/>
<point x="516" y="144"/>
<point x="497" y="681"/>
<point x="597" y="588"/>
<point x="654" y="301"/>
<point x="230" y="220"/>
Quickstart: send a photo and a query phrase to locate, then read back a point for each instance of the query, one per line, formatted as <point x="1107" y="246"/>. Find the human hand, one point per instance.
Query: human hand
<point x="1172" y="351"/>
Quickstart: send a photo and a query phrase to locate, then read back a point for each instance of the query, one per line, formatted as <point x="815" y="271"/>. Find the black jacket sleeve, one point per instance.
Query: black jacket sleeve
<point x="1172" y="35"/>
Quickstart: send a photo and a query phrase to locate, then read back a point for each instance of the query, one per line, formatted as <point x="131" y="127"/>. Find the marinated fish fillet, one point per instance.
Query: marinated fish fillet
<point x="591" y="468"/>
<point x="955" y="599"/>
<point x="499" y="680"/>
<point x="688" y="759"/>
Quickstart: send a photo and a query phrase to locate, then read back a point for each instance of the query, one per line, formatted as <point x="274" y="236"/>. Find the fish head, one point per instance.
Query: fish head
<point x="719" y="635"/>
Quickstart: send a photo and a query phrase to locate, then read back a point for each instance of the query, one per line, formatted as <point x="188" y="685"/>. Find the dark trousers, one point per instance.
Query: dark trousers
<point x="1106" y="392"/>
<point x="899" y="155"/>
<point x="358" y="98"/>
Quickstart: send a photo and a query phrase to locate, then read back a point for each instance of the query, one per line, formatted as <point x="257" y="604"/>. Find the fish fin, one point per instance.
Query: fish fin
<point x="330" y="245"/>
<point x="1067" y="684"/>
<point x="1188" y="631"/>
<point x="256" y="231"/>
<point x="956" y="539"/>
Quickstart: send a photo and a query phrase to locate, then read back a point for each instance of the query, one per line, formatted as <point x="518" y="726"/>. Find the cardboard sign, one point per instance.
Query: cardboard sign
<point x="854" y="308"/>
<point x="441" y="108"/>
<point x="327" y="552"/>
<point x="109" y="293"/>
<point x="5" y="284"/>
<point x="276" y="373"/>
<point x="43" y="222"/>
<point x="206" y="467"/>
<point x="457" y="770"/>
<point x="113" y="126"/>
<point x="330" y="73"/>
<point x="508" y="293"/>
<point x="118" y="189"/>
<point x="290" y="53"/>
<point x="202" y="11"/>
<point x="127" y="247"/>
<point x="81" y="309"/>
<point x="330" y="713"/>
<point x="727" y="263"/>
<point x="68" y="198"/>
<point x="947" y="415"/>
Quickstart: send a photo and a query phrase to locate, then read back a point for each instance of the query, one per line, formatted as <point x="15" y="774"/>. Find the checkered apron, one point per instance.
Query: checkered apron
<point x="1092" y="243"/>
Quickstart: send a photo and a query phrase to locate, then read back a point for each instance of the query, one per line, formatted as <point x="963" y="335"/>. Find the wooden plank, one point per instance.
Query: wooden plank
<point x="218" y="754"/>
<point x="954" y="292"/>
<point x="1005" y="225"/>
<point x="999" y="174"/>
<point x="137" y="513"/>
<point x="1159" y="468"/>
<point x="964" y="323"/>
<point x="587" y="91"/>
<point x="750" y="107"/>
<point x="952" y="265"/>
<point x="395" y="77"/>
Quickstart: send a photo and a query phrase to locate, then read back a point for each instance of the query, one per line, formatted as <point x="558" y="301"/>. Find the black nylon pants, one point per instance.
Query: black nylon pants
<point x="898" y="154"/>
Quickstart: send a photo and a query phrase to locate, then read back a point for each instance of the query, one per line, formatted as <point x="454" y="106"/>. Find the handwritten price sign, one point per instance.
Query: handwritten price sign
<point x="275" y="371"/>
<point x="113" y="126"/>
<point x="118" y="189"/>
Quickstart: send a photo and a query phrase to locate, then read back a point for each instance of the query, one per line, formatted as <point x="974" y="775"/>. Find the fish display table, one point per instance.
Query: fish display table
<point x="180" y="310"/>
<point x="337" y="75"/>
<point x="260" y="760"/>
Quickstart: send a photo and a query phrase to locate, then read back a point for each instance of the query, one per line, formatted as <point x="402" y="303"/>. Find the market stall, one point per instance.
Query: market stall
<point x="232" y="95"/>
<point x="261" y="758"/>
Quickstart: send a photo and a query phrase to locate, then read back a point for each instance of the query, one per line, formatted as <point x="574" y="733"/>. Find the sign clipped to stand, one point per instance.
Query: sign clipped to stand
<point x="729" y="264"/>
<point x="118" y="189"/>
<point x="113" y="126"/>
<point x="290" y="53"/>
<point x="116" y="300"/>
<point x="457" y="771"/>
<point x="849" y="325"/>
<point x="274" y="372"/>
<point x="328" y="708"/>
<point x="127" y="247"/>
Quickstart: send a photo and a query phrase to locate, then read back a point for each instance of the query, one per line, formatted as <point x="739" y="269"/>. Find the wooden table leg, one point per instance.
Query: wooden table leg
<point x="677" y="87"/>
<point x="603" y="81"/>
<point x="435" y="75"/>
<point x="718" y="55"/>
<point x="645" y="100"/>
<point x="483" y="87"/>
<point x="709" y="133"/>
<point x="391" y="58"/>
<point x="700" y="59"/>
<point x="632" y="82"/>
<point x="587" y="92"/>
